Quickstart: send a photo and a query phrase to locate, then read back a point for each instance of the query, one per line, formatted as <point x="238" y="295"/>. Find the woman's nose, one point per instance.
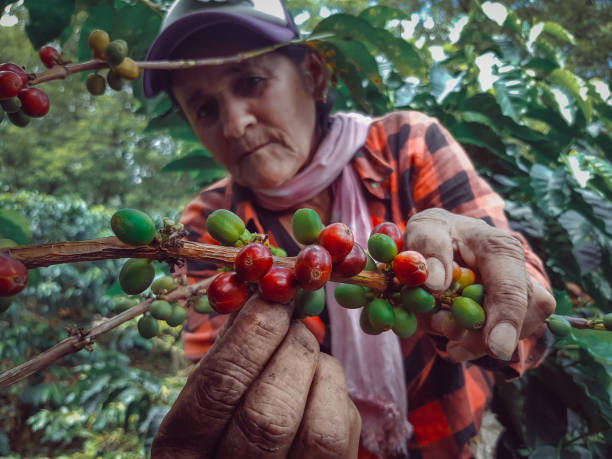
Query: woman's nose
<point x="236" y="118"/>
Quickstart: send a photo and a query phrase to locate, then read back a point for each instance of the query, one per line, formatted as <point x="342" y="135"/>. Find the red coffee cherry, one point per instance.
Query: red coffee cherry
<point x="353" y="263"/>
<point x="391" y="230"/>
<point x="410" y="268"/>
<point x="13" y="275"/>
<point x="253" y="261"/>
<point x="227" y="293"/>
<point x="278" y="285"/>
<point x="10" y="84"/>
<point x="313" y="267"/>
<point x="9" y="66"/>
<point x="338" y="239"/>
<point x="34" y="102"/>
<point x="49" y="56"/>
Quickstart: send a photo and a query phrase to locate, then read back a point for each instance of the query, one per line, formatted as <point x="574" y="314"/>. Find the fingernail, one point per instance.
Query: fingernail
<point x="502" y="341"/>
<point x="460" y="354"/>
<point x="436" y="276"/>
<point x="467" y="254"/>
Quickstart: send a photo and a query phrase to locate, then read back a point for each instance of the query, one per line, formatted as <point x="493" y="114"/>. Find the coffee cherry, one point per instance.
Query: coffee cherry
<point x="353" y="263"/>
<point x="98" y="41"/>
<point x="49" y="56"/>
<point x="177" y="316"/>
<point x="382" y="247"/>
<point x="13" y="275"/>
<point x="12" y="105"/>
<point x="8" y="66"/>
<point x="468" y="313"/>
<point x="350" y="296"/>
<point x="34" y="102"/>
<point x="607" y="321"/>
<point x="370" y="263"/>
<point x="309" y="303"/>
<point x="202" y="305"/>
<point x="278" y="251"/>
<point x="163" y="285"/>
<point x="160" y="309"/>
<point x="10" y="84"/>
<point x="410" y="268"/>
<point x="225" y="226"/>
<point x="278" y="285"/>
<point x="253" y="261"/>
<point x="136" y="275"/>
<point x="227" y="293"/>
<point x="114" y="80"/>
<point x="405" y="323"/>
<point x="96" y="84"/>
<point x="391" y="230"/>
<point x="19" y="119"/>
<point x="313" y="267"/>
<point x="128" y="69"/>
<point x="338" y="239"/>
<point x="6" y="243"/>
<point x="463" y="276"/>
<point x="148" y="327"/>
<point x="123" y="304"/>
<point x="5" y="303"/>
<point x="558" y="325"/>
<point x="366" y="325"/>
<point x="475" y="292"/>
<point x="306" y="226"/>
<point x="417" y="299"/>
<point x="115" y="52"/>
<point x="133" y="227"/>
<point x="381" y="314"/>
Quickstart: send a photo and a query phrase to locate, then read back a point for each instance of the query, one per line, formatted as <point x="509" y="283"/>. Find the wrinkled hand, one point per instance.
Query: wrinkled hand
<point x="262" y="391"/>
<point x="515" y="306"/>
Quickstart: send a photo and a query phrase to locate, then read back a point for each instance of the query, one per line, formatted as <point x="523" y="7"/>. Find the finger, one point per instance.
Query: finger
<point x="430" y="233"/>
<point x="501" y="261"/>
<point x="266" y="423"/>
<point x="216" y="385"/>
<point x="541" y="305"/>
<point x="331" y="425"/>
<point x="469" y="347"/>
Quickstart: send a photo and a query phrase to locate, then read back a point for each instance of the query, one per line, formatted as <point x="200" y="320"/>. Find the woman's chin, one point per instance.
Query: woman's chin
<point x="262" y="183"/>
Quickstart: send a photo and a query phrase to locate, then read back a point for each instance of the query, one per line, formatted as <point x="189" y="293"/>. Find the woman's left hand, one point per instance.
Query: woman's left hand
<point x="515" y="305"/>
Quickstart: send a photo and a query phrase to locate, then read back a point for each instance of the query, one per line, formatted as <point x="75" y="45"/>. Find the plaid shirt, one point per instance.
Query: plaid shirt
<point x="409" y="163"/>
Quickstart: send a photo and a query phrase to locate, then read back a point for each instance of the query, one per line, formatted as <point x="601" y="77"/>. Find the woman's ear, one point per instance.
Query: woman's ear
<point x="315" y="75"/>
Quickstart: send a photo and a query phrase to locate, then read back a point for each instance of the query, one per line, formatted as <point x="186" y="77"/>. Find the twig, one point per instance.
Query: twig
<point x="156" y="8"/>
<point x="84" y="339"/>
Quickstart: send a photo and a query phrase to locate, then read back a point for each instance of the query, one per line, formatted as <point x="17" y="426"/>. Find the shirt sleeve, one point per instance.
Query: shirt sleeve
<point x="442" y="175"/>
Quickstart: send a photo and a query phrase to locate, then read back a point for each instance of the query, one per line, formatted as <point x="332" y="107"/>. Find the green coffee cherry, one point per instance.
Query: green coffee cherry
<point x="607" y="321"/>
<point x="309" y="303"/>
<point x="115" y="52"/>
<point x="136" y="275"/>
<point x="5" y="303"/>
<point x="405" y="323"/>
<point x="558" y="325"/>
<point x="6" y="243"/>
<point x="381" y="314"/>
<point x="19" y="118"/>
<point x="468" y="313"/>
<point x="202" y="305"/>
<point x="366" y="325"/>
<point x="370" y="263"/>
<point x="133" y="227"/>
<point x="160" y="309"/>
<point x="123" y="304"/>
<point x="417" y="299"/>
<point x="163" y="285"/>
<point x="350" y="296"/>
<point x="475" y="292"/>
<point x="306" y="226"/>
<point x="148" y="327"/>
<point x="278" y="252"/>
<point x="382" y="248"/>
<point x="225" y="226"/>
<point x="178" y="315"/>
<point x="12" y="105"/>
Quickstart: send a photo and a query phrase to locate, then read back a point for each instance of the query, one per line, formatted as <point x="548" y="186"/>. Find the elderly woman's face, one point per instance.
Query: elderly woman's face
<point x="257" y="118"/>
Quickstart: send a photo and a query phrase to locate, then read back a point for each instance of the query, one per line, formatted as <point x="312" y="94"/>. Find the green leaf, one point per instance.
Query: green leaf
<point x="551" y="189"/>
<point x="558" y="31"/>
<point x="568" y="81"/>
<point x="379" y="15"/>
<point x="14" y="226"/>
<point x="512" y="22"/>
<point x="544" y="452"/>
<point x="358" y="54"/>
<point x="190" y="163"/>
<point x="47" y="22"/>
<point x="401" y="53"/>
<point x="511" y="92"/>
<point x="479" y="135"/>
<point x="564" y="302"/>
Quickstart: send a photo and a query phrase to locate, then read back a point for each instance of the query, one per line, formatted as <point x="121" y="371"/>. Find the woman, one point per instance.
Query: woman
<point x="265" y="388"/>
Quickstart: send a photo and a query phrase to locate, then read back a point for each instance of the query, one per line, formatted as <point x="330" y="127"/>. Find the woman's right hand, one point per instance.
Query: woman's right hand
<point x="263" y="390"/>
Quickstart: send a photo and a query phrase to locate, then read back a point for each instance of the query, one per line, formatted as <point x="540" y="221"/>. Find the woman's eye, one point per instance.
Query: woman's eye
<point x="206" y="111"/>
<point x="250" y="86"/>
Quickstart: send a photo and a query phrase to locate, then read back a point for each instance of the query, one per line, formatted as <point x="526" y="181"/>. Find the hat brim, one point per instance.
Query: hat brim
<point x="155" y="81"/>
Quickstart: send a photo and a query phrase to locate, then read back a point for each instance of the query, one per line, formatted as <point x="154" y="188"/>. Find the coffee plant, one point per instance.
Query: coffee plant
<point x="539" y="133"/>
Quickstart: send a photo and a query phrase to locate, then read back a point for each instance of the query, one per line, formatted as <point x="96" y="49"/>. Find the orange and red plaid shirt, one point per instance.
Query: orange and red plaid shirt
<point x="409" y="163"/>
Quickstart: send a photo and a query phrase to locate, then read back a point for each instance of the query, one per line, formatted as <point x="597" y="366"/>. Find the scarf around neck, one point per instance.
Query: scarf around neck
<point x="373" y="364"/>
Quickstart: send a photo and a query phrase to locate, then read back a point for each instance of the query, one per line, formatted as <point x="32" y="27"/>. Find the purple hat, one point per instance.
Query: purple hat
<point x="267" y="18"/>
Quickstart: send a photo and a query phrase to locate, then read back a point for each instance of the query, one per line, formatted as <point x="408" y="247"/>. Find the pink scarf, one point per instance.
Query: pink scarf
<point x="373" y="364"/>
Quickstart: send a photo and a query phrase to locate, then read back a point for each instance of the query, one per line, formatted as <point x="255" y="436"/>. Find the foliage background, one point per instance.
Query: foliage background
<point x="540" y="133"/>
